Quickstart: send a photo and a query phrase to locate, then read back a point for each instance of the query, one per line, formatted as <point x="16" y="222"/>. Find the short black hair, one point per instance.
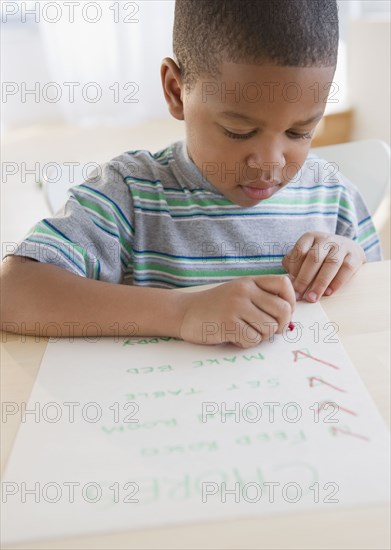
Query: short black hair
<point x="295" y="33"/>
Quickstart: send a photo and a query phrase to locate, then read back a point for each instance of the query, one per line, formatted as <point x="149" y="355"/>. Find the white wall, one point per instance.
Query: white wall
<point x="119" y="55"/>
<point x="363" y="71"/>
<point x="369" y="77"/>
<point x="22" y="64"/>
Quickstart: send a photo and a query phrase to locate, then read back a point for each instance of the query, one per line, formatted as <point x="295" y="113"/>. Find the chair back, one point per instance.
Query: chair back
<point x="365" y="163"/>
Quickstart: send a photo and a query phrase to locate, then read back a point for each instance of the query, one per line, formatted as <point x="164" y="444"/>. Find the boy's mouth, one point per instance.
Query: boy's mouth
<point x="259" y="193"/>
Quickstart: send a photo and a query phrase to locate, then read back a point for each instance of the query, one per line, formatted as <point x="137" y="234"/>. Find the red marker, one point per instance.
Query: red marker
<point x="291" y="326"/>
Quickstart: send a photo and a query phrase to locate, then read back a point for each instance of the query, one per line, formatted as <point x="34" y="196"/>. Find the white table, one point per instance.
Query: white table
<point x="362" y="312"/>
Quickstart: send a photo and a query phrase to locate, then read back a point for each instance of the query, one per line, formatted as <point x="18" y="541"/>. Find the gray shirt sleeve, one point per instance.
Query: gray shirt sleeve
<point x="357" y="223"/>
<point x="92" y="234"/>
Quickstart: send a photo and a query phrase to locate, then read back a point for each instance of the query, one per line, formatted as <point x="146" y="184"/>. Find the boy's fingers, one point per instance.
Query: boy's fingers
<point x="249" y="336"/>
<point x="278" y="309"/>
<point x="279" y="285"/>
<point x="348" y="268"/>
<point x="253" y="331"/>
<point x="306" y="275"/>
<point x="312" y="267"/>
<point x="321" y="282"/>
<point x="249" y="332"/>
<point x="293" y="261"/>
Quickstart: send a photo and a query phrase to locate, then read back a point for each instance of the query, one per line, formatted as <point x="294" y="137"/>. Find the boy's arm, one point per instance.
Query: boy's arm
<point x="45" y="299"/>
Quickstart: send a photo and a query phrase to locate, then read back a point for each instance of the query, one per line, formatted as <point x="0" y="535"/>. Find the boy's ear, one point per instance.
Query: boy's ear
<point x="172" y="87"/>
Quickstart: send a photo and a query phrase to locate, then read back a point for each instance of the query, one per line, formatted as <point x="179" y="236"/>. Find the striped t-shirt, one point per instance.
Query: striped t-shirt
<point x="154" y="220"/>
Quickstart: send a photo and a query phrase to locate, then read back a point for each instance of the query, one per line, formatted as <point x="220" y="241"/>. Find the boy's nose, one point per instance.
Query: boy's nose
<point x="267" y="166"/>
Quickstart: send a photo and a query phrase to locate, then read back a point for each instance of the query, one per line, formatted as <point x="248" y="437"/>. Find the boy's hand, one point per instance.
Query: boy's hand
<point x="244" y="311"/>
<point x="320" y="263"/>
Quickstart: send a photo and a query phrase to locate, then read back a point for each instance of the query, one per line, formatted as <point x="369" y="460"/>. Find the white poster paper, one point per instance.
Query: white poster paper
<point x="138" y="432"/>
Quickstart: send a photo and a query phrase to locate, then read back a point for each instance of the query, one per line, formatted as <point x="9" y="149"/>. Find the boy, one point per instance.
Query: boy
<point x="237" y="201"/>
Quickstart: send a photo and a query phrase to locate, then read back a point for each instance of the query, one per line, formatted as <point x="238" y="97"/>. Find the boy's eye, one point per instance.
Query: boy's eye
<point x="238" y="136"/>
<point x="296" y="135"/>
<point x="293" y="135"/>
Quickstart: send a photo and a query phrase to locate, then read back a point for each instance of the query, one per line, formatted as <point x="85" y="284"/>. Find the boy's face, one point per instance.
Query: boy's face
<point x="250" y="159"/>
